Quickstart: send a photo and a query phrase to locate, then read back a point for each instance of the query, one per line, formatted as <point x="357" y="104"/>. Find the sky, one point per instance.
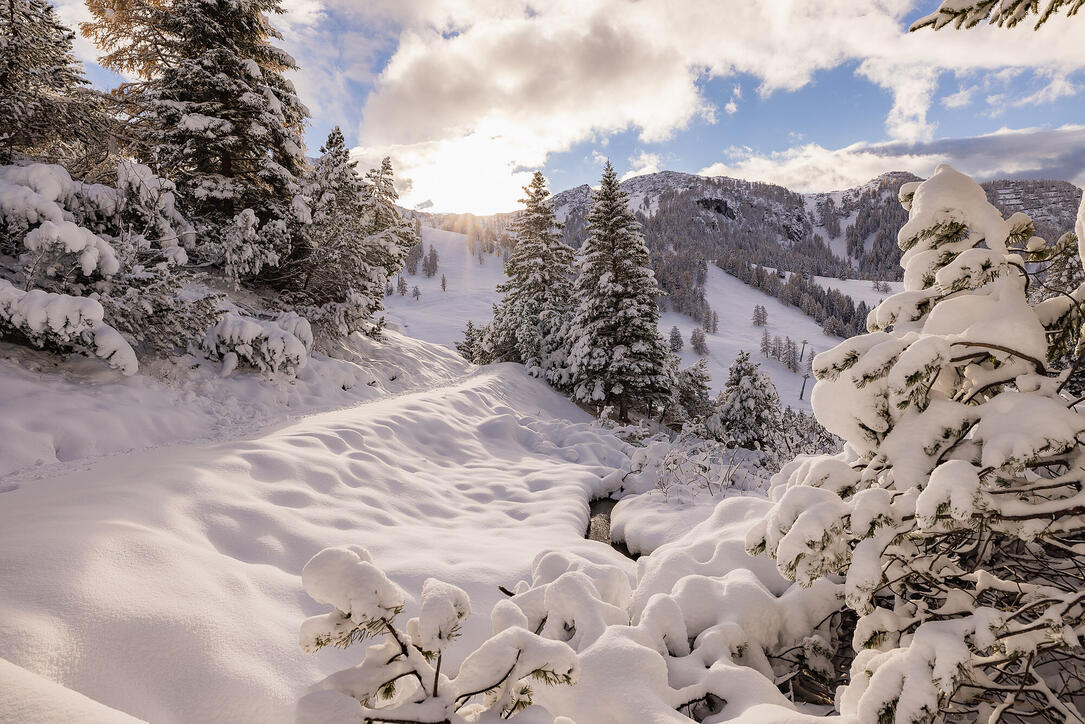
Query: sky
<point x="468" y="97"/>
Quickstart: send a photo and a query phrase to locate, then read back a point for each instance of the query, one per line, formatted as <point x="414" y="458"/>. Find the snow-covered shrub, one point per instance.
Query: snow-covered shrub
<point x="64" y="250"/>
<point x="254" y="343"/>
<point x="123" y="245"/>
<point x="62" y="323"/>
<point x="954" y="512"/>
<point x="298" y="326"/>
<point x="691" y="465"/>
<point x="151" y="309"/>
<point x="696" y="639"/>
<point x="400" y="678"/>
<point x="244" y="250"/>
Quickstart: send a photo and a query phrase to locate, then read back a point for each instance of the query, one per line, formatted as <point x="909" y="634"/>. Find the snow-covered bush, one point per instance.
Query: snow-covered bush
<point x="62" y="323"/>
<point x="257" y="344"/>
<point x="692" y="465"/>
<point x="954" y="512"/>
<point x="151" y="308"/>
<point x="122" y="244"/>
<point x="400" y="678"/>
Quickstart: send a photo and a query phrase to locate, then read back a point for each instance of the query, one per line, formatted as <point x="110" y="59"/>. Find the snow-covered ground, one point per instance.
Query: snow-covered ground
<point x="63" y="411"/>
<point x="440" y="316"/>
<point x="153" y="571"/>
<point x="153" y="528"/>
<point x="165" y="582"/>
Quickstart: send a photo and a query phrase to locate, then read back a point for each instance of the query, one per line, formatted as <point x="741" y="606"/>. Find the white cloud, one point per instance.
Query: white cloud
<point x="961" y="98"/>
<point x="501" y="84"/>
<point x="1057" y="87"/>
<point x="731" y="107"/>
<point x="570" y="70"/>
<point x="1008" y="153"/>
<point x="642" y="164"/>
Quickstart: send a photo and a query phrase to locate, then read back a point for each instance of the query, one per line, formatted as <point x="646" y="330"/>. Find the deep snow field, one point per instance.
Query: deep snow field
<point x="153" y="528"/>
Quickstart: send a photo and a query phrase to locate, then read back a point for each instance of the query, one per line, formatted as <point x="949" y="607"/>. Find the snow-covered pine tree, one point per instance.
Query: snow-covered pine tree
<point x="618" y="356"/>
<point x="676" y="342"/>
<point x="791" y="355"/>
<point x="342" y="280"/>
<point x="215" y="114"/>
<point x="430" y="263"/>
<point x="748" y="409"/>
<point x="468" y="347"/>
<point x="529" y="323"/>
<point x="416" y="293"/>
<point x="46" y="111"/>
<point x="954" y="513"/>
<point x="444" y="283"/>
<point x="390" y="235"/>
<point x="766" y="344"/>
<point x="697" y="341"/>
<point x="400" y="678"/>
<point x="694" y="384"/>
<point x="414" y="256"/>
<point x="1004" y="13"/>
<point x="401" y="286"/>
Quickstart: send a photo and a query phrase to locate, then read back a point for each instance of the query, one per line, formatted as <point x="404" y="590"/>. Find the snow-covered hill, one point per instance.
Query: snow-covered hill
<point x="440" y="316"/>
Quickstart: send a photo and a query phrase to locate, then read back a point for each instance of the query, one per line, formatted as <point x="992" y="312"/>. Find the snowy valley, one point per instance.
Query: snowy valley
<point x="281" y="442"/>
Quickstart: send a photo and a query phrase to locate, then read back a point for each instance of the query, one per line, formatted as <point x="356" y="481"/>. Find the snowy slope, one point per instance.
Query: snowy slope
<point x="70" y="406"/>
<point x="165" y="583"/>
<point x="472" y="291"/>
<point x="440" y="316"/>
<point x="734" y="302"/>
<point x="860" y="289"/>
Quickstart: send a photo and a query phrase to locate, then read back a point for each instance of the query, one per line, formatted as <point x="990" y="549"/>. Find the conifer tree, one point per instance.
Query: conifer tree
<point x="697" y="341"/>
<point x="342" y="280"/>
<point x="693" y="385"/>
<point x="468" y="347"/>
<point x="430" y="263"/>
<point x="953" y="515"/>
<point x="45" y="109"/>
<point x="1004" y="13"/>
<point x="676" y="342"/>
<point x="748" y="409"/>
<point x="215" y="114"/>
<point x="618" y="356"/>
<point x="791" y="355"/>
<point x="766" y="344"/>
<point x="529" y="322"/>
<point x="444" y="283"/>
